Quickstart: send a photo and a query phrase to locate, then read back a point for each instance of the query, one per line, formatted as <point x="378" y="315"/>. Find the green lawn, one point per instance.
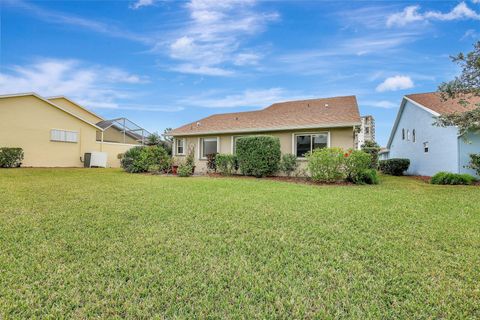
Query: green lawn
<point x="103" y="243"/>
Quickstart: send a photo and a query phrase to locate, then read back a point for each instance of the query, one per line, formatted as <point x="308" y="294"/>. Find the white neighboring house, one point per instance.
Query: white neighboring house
<point x="431" y="148"/>
<point x="366" y="131"/>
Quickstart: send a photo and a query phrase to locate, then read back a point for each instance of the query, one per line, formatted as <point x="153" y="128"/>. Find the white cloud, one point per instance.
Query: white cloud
<point x="141" y="3"/>
<point x="248" y="98"/>
<point x="202" y="70"/>
<point x="381" y="104"/>
<point x="395" y="83"/>
<point x="412" y="14"/>
<point x="470" y="33"/>
<point x="214" y="36"/>
<point x="100" y="86"/>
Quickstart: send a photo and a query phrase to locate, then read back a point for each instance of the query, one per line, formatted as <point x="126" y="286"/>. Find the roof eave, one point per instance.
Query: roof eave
<point x="337" y="125"/>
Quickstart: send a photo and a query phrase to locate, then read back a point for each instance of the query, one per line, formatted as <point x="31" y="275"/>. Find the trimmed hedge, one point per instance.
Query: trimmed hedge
<point x="258" y="156"/>
<point x="11" y="157"/>
<point x="452" y="178"/>
<point x="394" y="167"/>
<point x="327" y="164"/>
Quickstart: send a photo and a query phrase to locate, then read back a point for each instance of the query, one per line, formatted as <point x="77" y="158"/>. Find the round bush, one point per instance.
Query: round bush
<point x="11" y="157"/>
<point x="143" y="159"/>
<point x="184" y="170"/>
<point x="356" y="164"/>
<point x="327" y="164"/>
<point x="258" y="156"/>
<point x="394" y="167"/>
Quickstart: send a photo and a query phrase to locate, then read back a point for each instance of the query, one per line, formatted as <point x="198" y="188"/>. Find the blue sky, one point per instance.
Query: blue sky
<point x="165" y="63"/>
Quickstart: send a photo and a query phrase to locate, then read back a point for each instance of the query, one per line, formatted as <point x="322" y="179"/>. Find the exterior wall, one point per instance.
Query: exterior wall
<point x="73" y="108"/>
<point x="113" y="150"/>
<point x="339" y="137"/>
<point x="465" y="148"/>
<point x="114" y="135"/>
<point x="443" y="143"/>
<point x="26" y="122"/>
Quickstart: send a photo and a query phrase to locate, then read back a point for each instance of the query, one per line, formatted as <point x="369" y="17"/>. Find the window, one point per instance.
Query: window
<point x="208" y="146"/>
<point x="179" y="143"/>
<point x="414" y="138"/>
<point x="63" y="135"/>
<point x="425" y="147"/>
<point x="408" y="135"/>
<point x="305" y="143"/>
<point x="367" y="130"/>
<point x="403" y="134"/>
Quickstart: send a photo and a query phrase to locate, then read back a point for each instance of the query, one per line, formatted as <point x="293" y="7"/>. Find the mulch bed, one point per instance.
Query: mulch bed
<point x="297" y="180"/>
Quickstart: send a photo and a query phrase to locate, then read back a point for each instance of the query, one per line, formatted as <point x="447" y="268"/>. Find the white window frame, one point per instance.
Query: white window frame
<point x="175" y="145"/>
<point x="408" y="134"/>
<point x="64" y="134"/>
<point x="200" y="146"/>
<point x="294" y="141"/>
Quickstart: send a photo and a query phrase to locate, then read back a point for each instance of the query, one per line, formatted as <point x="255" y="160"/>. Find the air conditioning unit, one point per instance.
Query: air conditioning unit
<point x="95" y="159"/>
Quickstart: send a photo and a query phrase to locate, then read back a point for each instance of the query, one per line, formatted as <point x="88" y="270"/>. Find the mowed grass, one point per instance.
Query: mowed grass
<point x="79" y="243"/>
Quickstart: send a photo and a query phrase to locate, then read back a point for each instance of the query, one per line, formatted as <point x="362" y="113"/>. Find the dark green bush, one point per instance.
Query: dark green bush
<point x="11" y="157"/>
<point x="327" y="164"/>
<point x="452" y="178"/>
<point x="143" y="159"/>
<point x="134" y="160"/>
<point x="226" y="163"/>
<point x="394" y="167"/>
<point x="212" y="161"/>
<point x="356" y="164"/>
<point x="184" y="170"/>
<point x="367" y="176"/>
<point x="258" y="156"/>
<point x="288" y="164"/>
<point x="475" y="162"/>
<point x="372" y="148"/>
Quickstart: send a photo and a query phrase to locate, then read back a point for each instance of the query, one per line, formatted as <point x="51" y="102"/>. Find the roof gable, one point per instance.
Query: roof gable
<point x="434" y="102"/>
<point x="33" y="94"/>
<point x="314" y="113"/>
<point x="75" y="108"/>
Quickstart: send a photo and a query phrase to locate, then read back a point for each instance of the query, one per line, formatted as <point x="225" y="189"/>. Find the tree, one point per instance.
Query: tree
<point x="168" y="138"/>
<point x="463" y="88"/>
<point x="372" y="148"/>
<point x="153" y="139"/>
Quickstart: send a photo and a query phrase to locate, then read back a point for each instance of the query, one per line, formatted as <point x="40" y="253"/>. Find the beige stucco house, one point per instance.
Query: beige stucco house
<point x="301" y="127"/>
<point x="57" y="132"/>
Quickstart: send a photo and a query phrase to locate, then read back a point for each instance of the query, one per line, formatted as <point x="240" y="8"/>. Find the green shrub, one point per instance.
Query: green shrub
<point x="367" y="176"/>
<point x="452" y="178"/>
<point x="226" y="163"/>
<point x="157" y="158"/>
<point x="184" y="170"/>
<point x="258" y="156"/>
<point x="11" y="157"/>
<point x="143" y="159"/>
<point x="356" y="164"/>
<point x="134" y="160"/>
<point x="288" y="164"/>
<point x="475" y="163"/>
<point x="372" y="148"/>
<point x="394" y="167"/>
<point x="327" y="164"/>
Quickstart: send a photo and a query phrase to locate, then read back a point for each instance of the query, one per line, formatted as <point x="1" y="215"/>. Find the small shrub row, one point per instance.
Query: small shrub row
<point x="11" y="157"/>
<point x="452" y="178"/>
<point x="334" y="164"/>
<point x="394" y="167"/>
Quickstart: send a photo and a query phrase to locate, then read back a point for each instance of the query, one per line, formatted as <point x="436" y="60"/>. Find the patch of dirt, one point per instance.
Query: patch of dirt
<point x="297" y="180"/>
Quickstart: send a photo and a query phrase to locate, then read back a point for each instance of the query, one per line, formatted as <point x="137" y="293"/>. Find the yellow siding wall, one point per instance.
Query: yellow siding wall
<point x="73" y="108"/>
<point x="113" y="150"/>
<point x="339" y="137"/>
